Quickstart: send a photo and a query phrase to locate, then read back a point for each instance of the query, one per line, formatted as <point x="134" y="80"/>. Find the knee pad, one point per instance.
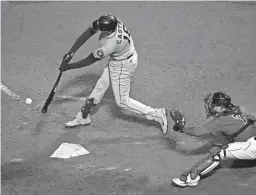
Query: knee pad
<point x="207" y="164"/>
<point x="87" y="107"/>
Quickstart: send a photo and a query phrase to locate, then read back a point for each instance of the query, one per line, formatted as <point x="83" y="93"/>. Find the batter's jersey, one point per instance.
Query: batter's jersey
<point x="118" y="45"/>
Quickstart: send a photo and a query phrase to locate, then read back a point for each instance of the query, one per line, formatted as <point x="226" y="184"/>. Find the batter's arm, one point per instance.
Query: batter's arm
<point x="102" y="52"/>
<point x="89" y="60"/>
<point x="83" y="38"/>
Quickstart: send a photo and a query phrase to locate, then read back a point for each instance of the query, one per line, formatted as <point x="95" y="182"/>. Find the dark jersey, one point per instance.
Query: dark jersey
<point x="229" y="125"/>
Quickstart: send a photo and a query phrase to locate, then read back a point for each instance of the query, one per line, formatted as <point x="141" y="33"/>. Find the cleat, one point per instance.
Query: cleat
<point x="164" y="123"/>
<point x="190" y="182"/>
<point x="78" y="120"/>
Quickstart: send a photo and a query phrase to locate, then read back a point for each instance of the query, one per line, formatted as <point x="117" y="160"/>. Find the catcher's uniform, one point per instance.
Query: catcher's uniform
<point x="243" y="146"/>
<point x="229" y="125"/>
<point x="220" y="129"/>
<point x="242" y="150"/>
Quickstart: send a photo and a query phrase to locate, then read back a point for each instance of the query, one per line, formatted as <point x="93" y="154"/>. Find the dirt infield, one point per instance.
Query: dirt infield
<point x="185" y="51"/>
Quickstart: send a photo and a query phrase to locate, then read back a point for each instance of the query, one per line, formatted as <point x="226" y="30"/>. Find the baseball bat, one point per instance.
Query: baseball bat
<point x="50" y="97"/>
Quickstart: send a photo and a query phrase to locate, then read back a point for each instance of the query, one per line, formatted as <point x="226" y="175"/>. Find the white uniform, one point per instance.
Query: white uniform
<point x="119" y="46"/>
<point x="242" y="150"/>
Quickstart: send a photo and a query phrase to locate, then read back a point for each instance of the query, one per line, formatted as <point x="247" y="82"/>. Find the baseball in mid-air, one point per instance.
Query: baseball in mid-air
<point x="28" y="101"/>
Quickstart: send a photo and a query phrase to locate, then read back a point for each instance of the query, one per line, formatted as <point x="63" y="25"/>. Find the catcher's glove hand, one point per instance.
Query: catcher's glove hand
<point x="178" y="119"/>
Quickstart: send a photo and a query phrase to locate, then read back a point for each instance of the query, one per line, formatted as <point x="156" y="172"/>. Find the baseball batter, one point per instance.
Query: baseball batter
<point x="223" y="132"/>
<point x="115" y="42"/>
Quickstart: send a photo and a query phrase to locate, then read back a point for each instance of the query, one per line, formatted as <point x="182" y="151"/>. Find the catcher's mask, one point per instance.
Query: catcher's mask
<point x="219" y="99"/>
<point x="107" y="23"/>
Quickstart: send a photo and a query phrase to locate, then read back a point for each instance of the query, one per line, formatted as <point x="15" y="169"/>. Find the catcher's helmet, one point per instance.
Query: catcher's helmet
<point x="221" y="99"/>
<point x="217" y="99"/>
<point x="105" y="23"/>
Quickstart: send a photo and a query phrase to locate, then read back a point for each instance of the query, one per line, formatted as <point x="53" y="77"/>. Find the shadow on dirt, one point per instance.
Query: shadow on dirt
<point x="186" y="144"/>
<point x="238" y="164"/>
<point x="36" y="162"/>
<point x="65" y="180"/>
<point x="11" y="170"/>
<point x="86" y="83"/>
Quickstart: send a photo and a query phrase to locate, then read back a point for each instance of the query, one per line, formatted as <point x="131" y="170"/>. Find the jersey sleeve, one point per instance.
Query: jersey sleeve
<point x="104" y="50"/>
<point x="248" y="113"/>
<point x="195" y="131"/>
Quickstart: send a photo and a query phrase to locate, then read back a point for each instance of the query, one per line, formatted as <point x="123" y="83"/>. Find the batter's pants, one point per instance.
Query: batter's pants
<point x="118" y="74"/>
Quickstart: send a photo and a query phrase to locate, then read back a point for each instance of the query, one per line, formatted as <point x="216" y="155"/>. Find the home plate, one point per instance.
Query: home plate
<point x="67" y="150"/>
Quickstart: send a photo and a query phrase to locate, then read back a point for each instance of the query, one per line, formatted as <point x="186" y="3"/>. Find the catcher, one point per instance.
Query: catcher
<point x="222" y="133"/>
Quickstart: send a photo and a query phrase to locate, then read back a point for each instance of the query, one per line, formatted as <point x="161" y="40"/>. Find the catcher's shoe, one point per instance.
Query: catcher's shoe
<point x="164" y="121"/>
<point x="190" y="182"/>
<point x="78" y="120"/>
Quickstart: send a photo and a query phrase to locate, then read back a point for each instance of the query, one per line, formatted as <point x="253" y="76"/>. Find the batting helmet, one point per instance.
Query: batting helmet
<point x="105" y="23"/>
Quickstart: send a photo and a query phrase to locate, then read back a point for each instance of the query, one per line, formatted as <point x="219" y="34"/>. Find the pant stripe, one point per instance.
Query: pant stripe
<point x="247" y="147"/>
<point x="120" y="97"/>
<point x="119" y="84"/>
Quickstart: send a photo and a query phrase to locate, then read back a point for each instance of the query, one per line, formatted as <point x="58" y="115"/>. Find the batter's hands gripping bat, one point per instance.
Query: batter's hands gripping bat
<point x="66" y="59"/>
<point x="50" y="97"/>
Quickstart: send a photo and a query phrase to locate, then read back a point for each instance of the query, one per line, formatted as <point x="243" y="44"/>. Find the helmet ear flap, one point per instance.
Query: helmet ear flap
<point x="95" y="25"/>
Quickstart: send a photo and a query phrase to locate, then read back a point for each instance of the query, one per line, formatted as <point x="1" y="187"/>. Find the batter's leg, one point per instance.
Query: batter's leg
<point x="237" y="150"/>
<point x="120" y="76"/>
<point x="83" y="116"/>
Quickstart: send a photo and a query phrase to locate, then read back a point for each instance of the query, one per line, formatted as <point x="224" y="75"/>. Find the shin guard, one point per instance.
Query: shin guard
<point x="207" y="164"/>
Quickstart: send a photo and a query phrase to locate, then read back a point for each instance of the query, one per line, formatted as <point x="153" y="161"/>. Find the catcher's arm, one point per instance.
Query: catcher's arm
<point x="248" y="113"/>
<point x="194" y="131"/>
<point x="180" y="124"/>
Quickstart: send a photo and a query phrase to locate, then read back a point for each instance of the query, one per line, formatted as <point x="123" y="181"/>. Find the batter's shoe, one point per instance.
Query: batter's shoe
<point x="78" y="120"/>
<point x="164" y="122"/>
<point x="190" y="182"/>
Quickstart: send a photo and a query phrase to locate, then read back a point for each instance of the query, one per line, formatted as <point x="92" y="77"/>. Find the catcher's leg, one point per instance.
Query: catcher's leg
<point x="121" y="74"/>
<point x="204" y="166"/>
<point x="242" y="150"/>
<point x="83" y="116"/>
<point x="237" y="150"/>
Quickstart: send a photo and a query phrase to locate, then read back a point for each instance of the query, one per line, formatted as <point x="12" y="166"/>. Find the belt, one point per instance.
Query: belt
<point x="125" y="58"/>
<point x="129" y="56"/>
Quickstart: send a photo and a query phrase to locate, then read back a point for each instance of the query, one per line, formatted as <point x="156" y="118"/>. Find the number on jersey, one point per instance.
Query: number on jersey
<point x="123" y="33"/>
<point x="240" y="117"/>
<point x="126" y="35"/>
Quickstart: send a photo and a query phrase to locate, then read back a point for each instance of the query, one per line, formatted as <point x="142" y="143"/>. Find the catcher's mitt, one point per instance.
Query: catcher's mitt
<point x="178" y="119"/>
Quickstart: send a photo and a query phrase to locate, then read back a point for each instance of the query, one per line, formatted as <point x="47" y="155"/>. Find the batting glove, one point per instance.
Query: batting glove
<point x="68" y="56"/>
<point x="64" y="66"/>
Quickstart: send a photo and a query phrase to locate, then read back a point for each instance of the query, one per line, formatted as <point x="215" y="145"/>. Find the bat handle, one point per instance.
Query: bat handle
<point x="44" y="110"/>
